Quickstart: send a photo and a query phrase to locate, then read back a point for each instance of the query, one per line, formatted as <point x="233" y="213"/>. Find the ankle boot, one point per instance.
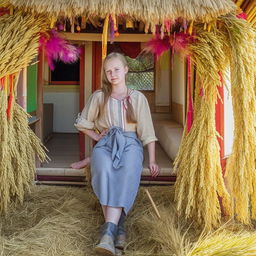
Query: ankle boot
<point x="121" y="234"/>
<point x="106" y="245"/>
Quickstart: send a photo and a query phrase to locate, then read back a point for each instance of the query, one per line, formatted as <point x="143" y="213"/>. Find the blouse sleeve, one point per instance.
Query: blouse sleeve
<point x="145" y="128"/>
<point x="86" y="119"/>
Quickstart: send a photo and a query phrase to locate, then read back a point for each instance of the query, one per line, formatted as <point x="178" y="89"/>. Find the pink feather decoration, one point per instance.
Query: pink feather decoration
<point x="180" y="41"/>
<point x="158" y="46"/>
<point x="56" y="48"/>
<point x="242" y="15"/>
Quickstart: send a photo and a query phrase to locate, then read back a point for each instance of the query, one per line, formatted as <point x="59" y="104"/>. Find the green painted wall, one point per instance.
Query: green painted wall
<point x="31" y="89"/>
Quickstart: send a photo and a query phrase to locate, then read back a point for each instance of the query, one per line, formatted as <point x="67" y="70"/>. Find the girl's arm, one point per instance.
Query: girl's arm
<point x="94" y="135"/>
<point x="154" y="168"/>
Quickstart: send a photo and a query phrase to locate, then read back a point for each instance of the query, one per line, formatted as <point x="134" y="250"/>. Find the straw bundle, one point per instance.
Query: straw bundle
<point x="151" y="11"/>
<point x="19" y="146"/>
<point x="225" y="243"/>
<point x="199" y="178"/>
<point x="240" y="169"/>
<point x="19" y="35"/>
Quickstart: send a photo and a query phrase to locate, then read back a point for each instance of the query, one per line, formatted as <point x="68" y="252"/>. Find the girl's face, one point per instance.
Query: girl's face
<point x="115" y="71"/>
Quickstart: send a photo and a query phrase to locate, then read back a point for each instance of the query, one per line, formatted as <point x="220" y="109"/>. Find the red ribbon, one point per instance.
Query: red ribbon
<point x="10" y="101"/>
<point x="190" y="99"/>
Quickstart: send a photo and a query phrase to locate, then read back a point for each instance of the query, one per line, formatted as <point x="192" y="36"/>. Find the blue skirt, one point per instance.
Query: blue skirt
<point x="116" y="166"/>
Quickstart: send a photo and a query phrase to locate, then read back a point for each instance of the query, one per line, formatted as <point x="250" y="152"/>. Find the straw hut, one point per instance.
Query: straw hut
<point x="205" y="50"/>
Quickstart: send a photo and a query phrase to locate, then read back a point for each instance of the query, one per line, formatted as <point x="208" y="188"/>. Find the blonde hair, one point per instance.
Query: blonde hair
<point x="107" y="87"/>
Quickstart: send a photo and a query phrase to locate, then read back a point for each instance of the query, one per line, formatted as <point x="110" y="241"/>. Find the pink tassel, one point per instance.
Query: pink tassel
<point x="185" y="25"/>
<point x="167" y="24"/>
<point x="56" y="48"/>
<point x="111" y="28"/>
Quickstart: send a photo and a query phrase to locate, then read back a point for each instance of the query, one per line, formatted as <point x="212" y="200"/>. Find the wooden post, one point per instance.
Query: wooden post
<point x="81" y="102"/>
<point x="22" y="89"/>
<point x="39" y="110"/>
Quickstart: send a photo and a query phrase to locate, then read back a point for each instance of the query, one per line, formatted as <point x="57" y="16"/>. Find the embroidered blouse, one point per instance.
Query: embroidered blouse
<point x="115" y="115"/>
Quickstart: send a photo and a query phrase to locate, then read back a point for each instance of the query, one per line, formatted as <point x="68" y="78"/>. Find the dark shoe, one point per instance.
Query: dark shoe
<point x="106" y="245"/>
<point x="120" y="241"/>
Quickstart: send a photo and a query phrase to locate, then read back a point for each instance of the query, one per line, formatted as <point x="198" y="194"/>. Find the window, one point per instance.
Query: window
<point x="141" y="72"/>
<point x="65" y="73"/>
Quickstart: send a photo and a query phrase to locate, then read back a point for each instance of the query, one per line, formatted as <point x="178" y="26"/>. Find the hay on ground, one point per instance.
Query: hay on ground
<point x="65" y="221"/>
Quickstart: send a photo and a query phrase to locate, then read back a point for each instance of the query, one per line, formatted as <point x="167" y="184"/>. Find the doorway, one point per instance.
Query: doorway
<point x="62" y="100"/>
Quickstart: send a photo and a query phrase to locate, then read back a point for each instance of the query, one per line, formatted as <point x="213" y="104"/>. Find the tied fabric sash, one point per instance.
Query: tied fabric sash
<point x="117" y="138"/>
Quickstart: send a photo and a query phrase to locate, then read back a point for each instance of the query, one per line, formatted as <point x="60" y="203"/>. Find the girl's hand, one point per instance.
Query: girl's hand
<point x="154" y="169"/>
<point x="101" y="135"/>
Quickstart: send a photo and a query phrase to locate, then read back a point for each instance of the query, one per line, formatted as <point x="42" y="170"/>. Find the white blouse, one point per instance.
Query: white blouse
<point x="115" y="115"/>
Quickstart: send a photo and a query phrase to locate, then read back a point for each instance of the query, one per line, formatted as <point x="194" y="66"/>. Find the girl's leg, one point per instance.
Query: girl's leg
<point x="113" y="214"/>
<point x="80" y="164"/>
<point x="109" y="231"/>
<point x="104" y="209"/>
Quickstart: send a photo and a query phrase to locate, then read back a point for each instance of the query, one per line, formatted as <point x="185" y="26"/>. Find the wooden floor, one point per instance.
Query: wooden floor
<point x="64" y="150"/>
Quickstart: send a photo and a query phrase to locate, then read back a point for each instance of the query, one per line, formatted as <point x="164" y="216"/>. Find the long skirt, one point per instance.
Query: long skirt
<point x="116" y="166"/>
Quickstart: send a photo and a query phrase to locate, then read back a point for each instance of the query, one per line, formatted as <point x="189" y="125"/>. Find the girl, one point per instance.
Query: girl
<point x="123" y="118"/>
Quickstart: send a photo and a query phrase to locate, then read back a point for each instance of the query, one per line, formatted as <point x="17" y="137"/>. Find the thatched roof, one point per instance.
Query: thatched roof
<point x="145" y="10"/>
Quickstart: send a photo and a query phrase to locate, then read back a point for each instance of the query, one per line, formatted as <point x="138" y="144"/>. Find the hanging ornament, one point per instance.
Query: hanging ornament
<point x="185" y="26"/>
<point x="162" y="31"/>
<point x="147" y="27"/>
<point x="105" y="37"/>
<point x="72" y="23"/>
<point x="56" y="48"/>
<point x="52" y="22"/>
<point x="129" y="23"/>
<point x="115" y="26"/>
<point x="167" y="24"/>
<point x="111" y="29"/>
<point x="190" y="29"/>
<point x="157" y="46"/>
<point x="83" y="22"/>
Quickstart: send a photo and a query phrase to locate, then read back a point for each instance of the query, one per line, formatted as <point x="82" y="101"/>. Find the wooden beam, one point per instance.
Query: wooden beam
<point x="98" y="37"/>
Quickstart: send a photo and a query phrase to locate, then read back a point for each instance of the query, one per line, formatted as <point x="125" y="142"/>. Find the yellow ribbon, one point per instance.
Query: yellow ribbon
<point x="105" y="38"/>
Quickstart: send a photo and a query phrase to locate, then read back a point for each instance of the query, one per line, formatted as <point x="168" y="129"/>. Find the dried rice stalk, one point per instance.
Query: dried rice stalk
<point x="19" y="35"/>
<point x="199" y="178"/>
<point x="7" y="180"/>
<point x="240" y="169"/>
<point x="18" y="148"/>
<point x="225" y="243"/>
<point x="152" y="11"/>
